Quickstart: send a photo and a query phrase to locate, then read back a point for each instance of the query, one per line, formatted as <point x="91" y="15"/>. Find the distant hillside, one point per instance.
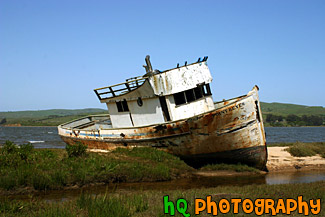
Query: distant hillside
<point x="45" y="113"/>
<point x="289" y="115"/>
<point x="50" y="117"/>
<point x="291" y="109"/>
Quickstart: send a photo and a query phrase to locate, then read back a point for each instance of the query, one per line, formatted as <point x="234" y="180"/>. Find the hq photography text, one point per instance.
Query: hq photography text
<point x="258" y="206"/>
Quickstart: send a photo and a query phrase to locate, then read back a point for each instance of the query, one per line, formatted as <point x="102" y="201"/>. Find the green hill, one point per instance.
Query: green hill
<point x="46" y="113"/>
<point x="52" y="117"/>
<point x="286" y="115"/>
<point x="291" y="109"/>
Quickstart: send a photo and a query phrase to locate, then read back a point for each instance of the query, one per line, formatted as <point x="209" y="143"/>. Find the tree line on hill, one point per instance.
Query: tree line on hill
<point x="294" y="120"/>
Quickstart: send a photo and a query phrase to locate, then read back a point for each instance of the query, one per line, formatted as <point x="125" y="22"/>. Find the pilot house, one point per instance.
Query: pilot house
<point x="159" y="97"/>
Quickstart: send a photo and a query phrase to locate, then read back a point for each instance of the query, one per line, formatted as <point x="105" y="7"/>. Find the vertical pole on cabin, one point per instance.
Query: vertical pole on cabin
<point x="148" y="63"/>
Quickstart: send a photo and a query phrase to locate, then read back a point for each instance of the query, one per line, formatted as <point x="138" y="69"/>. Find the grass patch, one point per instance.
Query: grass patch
<point x="307" y="149"/>
<point x="8" y="206"/>
<point x="44" y="169"/>
<point x="76" y="150"/>
<point x="300" y="149"/>
<point x="119" y="206"/>
<point x="150" y="203"/>
<point x="232" y="167"/>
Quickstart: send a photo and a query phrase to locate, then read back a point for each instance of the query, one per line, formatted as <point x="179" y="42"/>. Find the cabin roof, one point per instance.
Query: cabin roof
<point x="133" y="83"/>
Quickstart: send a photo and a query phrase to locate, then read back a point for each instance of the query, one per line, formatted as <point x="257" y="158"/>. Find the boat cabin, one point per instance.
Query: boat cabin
<point x="159" y="97"/>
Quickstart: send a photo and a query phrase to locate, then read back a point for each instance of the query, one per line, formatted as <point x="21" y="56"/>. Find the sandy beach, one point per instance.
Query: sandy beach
<point x="279" y="160"/>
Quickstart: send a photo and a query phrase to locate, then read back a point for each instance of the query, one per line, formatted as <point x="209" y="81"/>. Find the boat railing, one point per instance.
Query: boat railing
<point x="120" y="89"/>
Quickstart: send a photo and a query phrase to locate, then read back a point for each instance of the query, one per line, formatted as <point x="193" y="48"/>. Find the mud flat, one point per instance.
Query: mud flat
<point x="281" y="160"/>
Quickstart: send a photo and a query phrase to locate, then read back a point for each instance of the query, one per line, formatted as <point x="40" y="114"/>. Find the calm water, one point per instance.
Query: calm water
<point x="183" y="184"/>
<point x="40" y="137"/>
<point x="47" y="137"/>
<point x="294" y="134"/>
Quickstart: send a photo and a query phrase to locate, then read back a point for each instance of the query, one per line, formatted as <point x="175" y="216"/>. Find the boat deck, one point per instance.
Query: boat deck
<point x="93" y="122"/>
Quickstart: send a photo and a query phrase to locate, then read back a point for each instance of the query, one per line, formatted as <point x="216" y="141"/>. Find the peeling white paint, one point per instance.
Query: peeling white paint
<point x="180" y="79"/>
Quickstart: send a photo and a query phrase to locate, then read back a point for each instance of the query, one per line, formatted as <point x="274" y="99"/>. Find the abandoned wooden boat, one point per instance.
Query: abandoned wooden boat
<point x="174" y="110"/>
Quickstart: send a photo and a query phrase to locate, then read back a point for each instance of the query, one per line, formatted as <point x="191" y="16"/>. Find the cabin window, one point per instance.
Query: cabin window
<point x="192" y="94"/>
<point x="179" y="98"/>
<point x="119" y="106"/>
<point x="198" y="92"/>
<point x="206" y="90"/>
<point x="122" y="106"/>
<point x="190" y="97"/>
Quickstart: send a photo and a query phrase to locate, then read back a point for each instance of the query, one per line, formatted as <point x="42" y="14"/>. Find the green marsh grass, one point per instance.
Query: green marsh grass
<point x="232" y="167"/>
<point x="300" y="149"/>
<point x="44" y="169"/>
<point x="307" y="149"/>
<point x="150" y="203"/>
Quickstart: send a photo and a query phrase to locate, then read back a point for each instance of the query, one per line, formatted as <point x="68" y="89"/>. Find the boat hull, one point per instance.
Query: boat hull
<point x="231" y="133"/>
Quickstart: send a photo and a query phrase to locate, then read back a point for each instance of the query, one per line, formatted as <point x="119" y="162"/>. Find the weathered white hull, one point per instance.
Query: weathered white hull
<point x="233" y="132"/>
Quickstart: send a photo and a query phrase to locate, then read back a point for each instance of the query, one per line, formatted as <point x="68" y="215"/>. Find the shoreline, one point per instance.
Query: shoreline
<point x="280" y="160"/>
<point x="25" y="191"/>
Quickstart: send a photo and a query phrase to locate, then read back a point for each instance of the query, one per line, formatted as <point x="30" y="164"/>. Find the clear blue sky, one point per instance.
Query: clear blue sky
<point x="54" y="53"/>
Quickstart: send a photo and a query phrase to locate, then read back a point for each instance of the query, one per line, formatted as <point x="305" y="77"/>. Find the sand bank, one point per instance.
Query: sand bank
<point x="279" y="159"/>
